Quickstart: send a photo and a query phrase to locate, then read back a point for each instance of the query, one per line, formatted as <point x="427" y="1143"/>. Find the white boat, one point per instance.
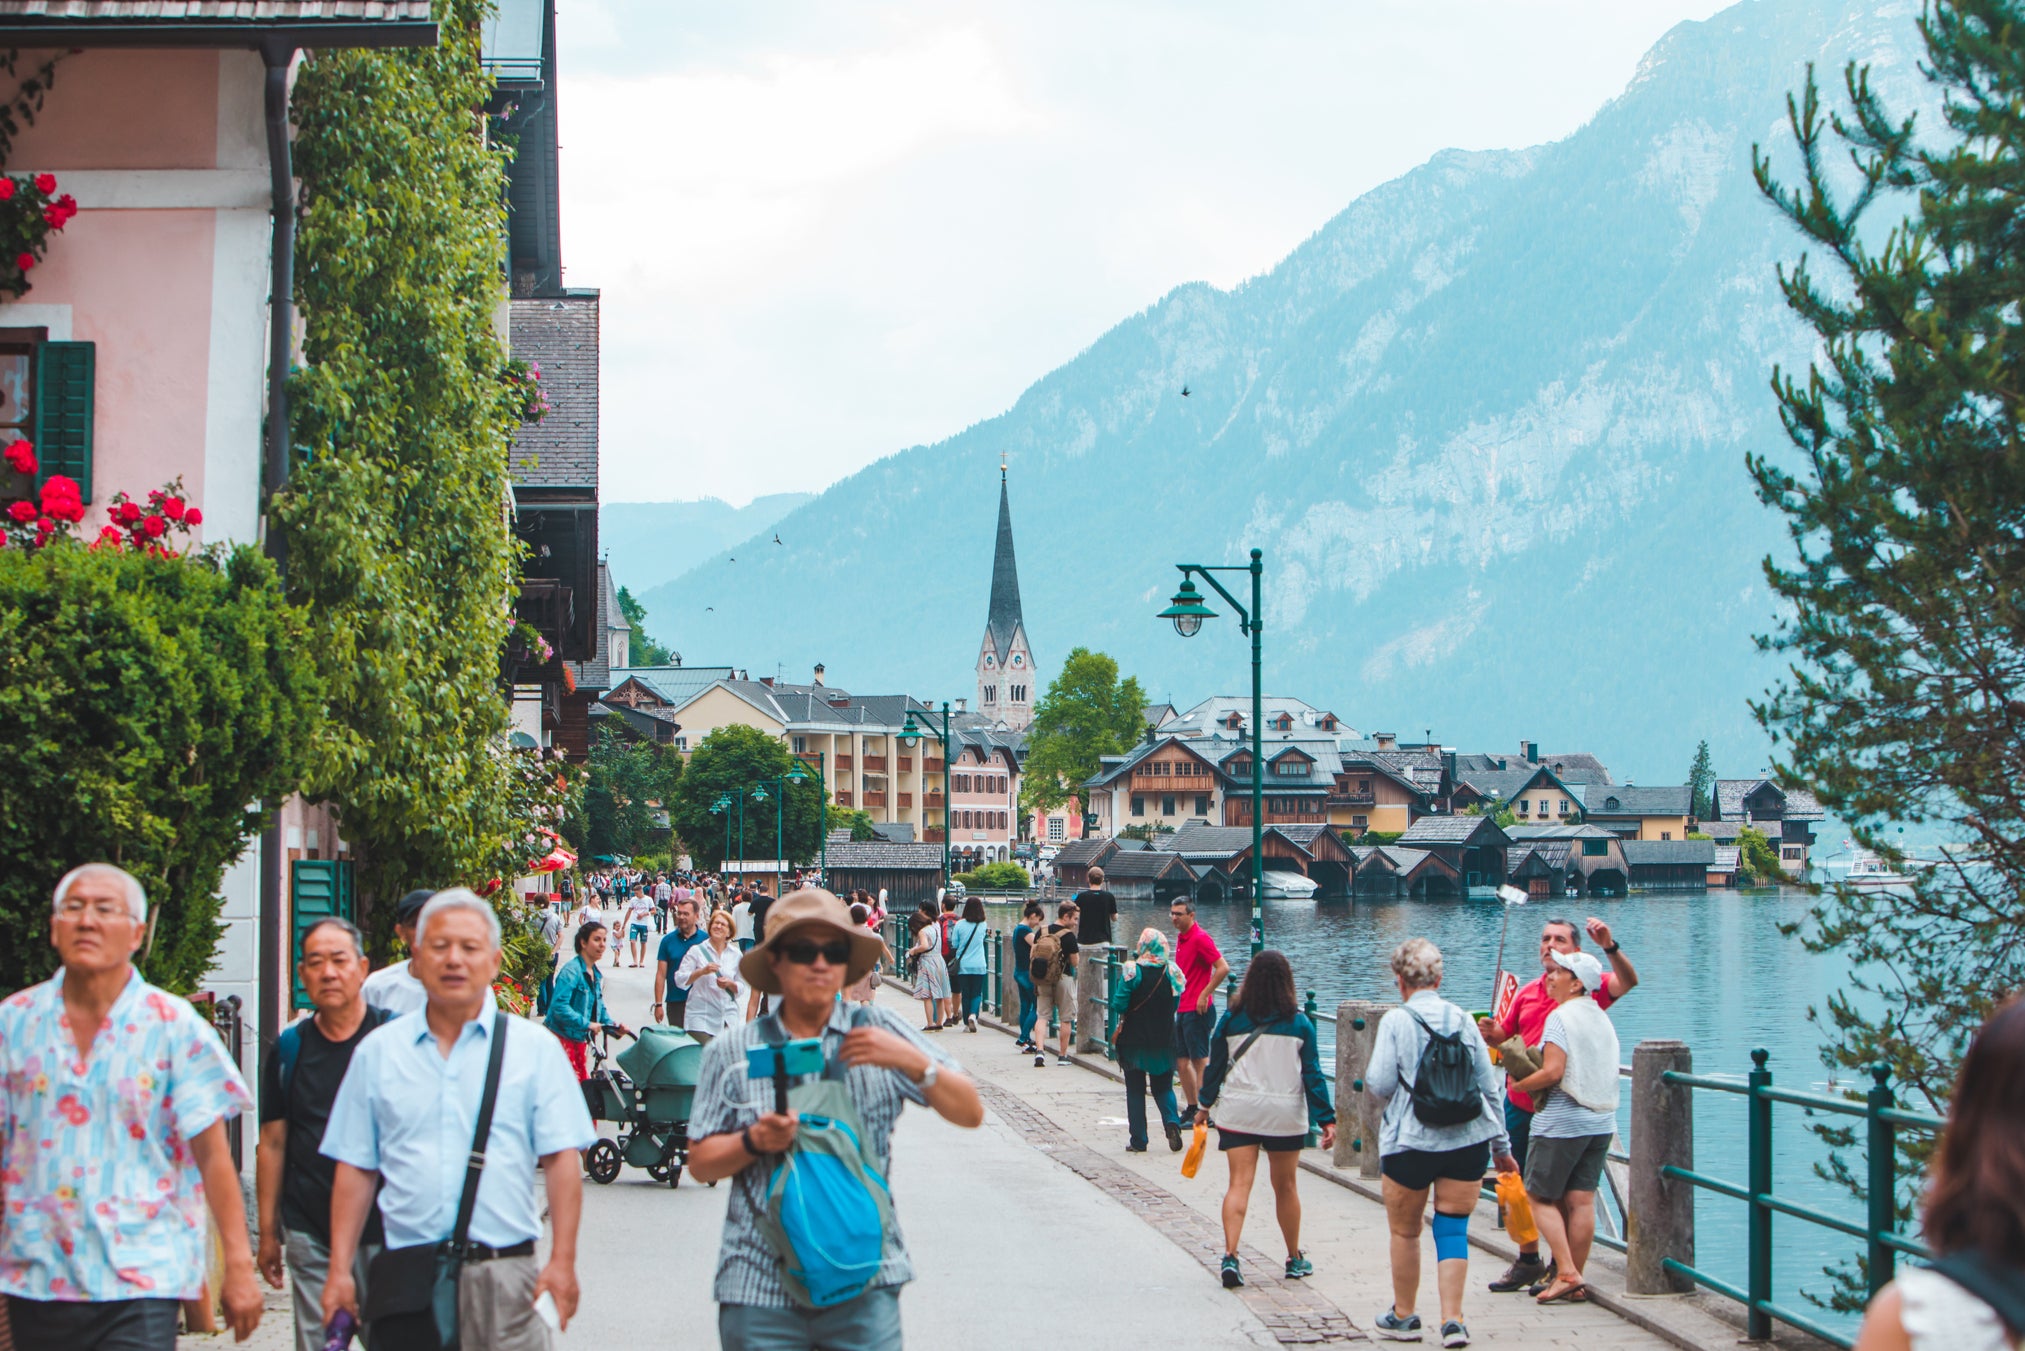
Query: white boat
<point x="1280" y="886"/>
<point x="1869" y="872"/>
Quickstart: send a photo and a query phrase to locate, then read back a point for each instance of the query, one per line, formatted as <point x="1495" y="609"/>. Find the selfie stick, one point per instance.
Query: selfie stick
<point x="780" y="1080"/>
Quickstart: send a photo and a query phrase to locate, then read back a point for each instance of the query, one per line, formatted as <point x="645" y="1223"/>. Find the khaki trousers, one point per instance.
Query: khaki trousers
<point x="495" y="1306"/>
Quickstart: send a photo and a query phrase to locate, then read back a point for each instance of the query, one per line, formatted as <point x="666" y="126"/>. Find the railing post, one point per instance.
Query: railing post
<point x="1883" y="1191"/>
<point x="1091" y="970"/>
<point x="1758" y="1323"/>
<point x="1659" y="1220"/>
<point x="1356" y="1110"/>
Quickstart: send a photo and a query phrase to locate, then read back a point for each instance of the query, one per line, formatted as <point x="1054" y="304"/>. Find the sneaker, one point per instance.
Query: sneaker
<point x="1061" y="1060"/>
<point x="1454" y="1334"/>
<point x="1546" y="1279"/>
<point x="1232" y="1277"/>
<point x="1040" y="1060"/>
<point x="1173" y="1137"/>
<point x="1396" y="1329"/>
<point x="1135" y="1149"/>
<point x="1523" y="1273"/>
<point x="1298" y="1266"/>
<point x="969" y="1023"/>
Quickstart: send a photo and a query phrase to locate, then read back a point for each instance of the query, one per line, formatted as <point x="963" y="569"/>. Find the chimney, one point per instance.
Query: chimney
<point x="1531" y="750"/>
<point x="766" y="681"/>
<point x="1386" y="740"/>
<point x="840" y="700"/>
<point x="819" y="674"/>
<point x="963" y="705"/>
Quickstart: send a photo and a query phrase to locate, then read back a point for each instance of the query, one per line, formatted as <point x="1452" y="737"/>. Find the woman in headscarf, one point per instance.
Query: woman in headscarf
<point x="1145" y="1001"/>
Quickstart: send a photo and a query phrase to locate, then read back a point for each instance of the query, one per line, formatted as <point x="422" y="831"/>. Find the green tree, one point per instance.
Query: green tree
<point x="144" y="702"/>
<point x="1905" y="601"/>
<point x="1758" y="857"/>
<point x="631" y="783"/>
<point x="1701" y="782"/>
<point x="641" y="650"/>
<point x="859" y="823"/>
<point x="401" y="416"/>
<point x="1087" y="713"/>
<point x="727" y="764"/>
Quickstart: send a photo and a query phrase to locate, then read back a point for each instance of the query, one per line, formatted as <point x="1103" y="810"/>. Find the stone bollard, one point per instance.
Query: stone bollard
<point x="1661" y="1218"/>
<point x="1356" y="1110"/>
<point x="1090" y="998"/>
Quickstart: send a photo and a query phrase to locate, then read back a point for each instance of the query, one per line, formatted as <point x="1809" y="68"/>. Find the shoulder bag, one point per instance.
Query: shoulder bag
<point x="411" y="1292"/>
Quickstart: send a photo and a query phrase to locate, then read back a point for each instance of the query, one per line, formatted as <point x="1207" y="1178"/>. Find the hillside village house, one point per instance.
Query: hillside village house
<point x="984" y="780"/>
<point x="1786" y="817"/>
<point x="1649" y="814"/>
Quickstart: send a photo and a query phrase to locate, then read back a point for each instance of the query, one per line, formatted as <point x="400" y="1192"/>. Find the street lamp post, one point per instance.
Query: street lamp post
<point x="721" y="807"/>
<point x="1188" y="611"/>
<point x="797" y="774"/>
<point x="910" y="737"/>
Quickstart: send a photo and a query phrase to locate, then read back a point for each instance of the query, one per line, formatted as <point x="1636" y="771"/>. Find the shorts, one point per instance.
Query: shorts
<point x="115" y="1325"/>
<point x="637" y="932"/>
<point x="1191" y="1034"/>
<point x="1058" y="994"/>
<point x="1272" y="1144"/>
<point x="1417" y="1169"/>
<point x="1557" y="1166"/>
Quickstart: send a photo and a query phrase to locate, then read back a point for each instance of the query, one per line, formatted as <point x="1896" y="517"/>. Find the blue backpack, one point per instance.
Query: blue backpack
<point x="827" y="1212"/>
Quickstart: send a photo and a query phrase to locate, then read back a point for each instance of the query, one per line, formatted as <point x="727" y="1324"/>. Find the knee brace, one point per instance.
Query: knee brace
<point x="1451" y="1236"/>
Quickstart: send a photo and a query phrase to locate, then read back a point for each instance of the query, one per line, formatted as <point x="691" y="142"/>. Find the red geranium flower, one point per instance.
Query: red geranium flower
<point x="154" y="526"/>
<point x="24" y="261"/>
<point x="193" y="517"/>
<point x="22" y="511"/>
<point x="21" y="457"/>
<point x="129" y="512"/>
<point x="173" y="508"/>
<point x="6" y="188"/>
<point x="45" y="183"/>
<point x="60" y="489"/>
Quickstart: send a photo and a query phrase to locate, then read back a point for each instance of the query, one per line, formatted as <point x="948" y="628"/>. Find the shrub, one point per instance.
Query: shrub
<point x="145" y="701"/>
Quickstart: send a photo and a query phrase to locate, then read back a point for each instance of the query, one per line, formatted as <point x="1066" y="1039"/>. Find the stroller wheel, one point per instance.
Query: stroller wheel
<point x="602" y="1162"/>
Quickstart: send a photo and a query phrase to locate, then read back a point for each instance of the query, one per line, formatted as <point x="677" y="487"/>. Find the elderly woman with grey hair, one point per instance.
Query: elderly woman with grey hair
<point x="1441" y="1127"/>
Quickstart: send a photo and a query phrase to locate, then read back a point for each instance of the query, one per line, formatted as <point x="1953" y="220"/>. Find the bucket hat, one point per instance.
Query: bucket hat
<point x="802" y="909"/>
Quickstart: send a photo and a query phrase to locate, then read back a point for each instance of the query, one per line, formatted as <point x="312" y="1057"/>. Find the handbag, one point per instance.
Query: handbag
<point x="411" y="1292"/>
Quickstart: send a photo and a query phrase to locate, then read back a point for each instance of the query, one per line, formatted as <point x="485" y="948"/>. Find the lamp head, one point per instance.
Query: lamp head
<point x="910" y="735"/>
<point x="722" y="804"/>
<point x="759" y="793"/>
<point x="1187" y="610"/>
<point x="798" y="774"/>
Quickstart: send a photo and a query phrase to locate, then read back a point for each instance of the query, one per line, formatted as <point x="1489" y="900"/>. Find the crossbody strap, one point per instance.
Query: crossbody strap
<point x="1244" y="1046"/>
<point x="969" y="942"/>
<point x="468" y="1202"/>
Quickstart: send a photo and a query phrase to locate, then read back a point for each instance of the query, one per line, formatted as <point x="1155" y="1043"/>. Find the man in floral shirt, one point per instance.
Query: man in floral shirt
<point x="112" y="1141"/>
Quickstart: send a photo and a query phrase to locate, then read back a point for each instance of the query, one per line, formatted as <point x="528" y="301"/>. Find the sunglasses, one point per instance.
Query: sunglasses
<point x="804" y="951"/>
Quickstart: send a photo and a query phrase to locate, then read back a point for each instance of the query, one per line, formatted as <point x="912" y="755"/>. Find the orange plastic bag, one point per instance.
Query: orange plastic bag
<point x="1518" y="1211"/>
<point x="1192" y="1160"/>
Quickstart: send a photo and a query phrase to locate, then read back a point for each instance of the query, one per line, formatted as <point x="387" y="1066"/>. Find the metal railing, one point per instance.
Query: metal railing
<point x="1883" y="1241"/>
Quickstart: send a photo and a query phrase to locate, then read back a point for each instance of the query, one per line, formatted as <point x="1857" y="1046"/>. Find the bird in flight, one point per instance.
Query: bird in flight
<point x="734" y="560"/>
<point x="776" y="539"/>
<point x="710" y="609"/>
<point x="1184" y="391"/>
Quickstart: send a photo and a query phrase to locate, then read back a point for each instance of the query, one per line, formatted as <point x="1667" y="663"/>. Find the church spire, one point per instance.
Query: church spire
<point x="1003" y="619"/>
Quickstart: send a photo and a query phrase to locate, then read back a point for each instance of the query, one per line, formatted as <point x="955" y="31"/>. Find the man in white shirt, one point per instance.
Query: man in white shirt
<point x="394" y="988"/>
<point x="639" y="926"/>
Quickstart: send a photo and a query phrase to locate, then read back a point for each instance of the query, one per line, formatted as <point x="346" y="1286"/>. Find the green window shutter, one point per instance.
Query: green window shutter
<point x="64" y="376"/>
<point x="317" y="889"/>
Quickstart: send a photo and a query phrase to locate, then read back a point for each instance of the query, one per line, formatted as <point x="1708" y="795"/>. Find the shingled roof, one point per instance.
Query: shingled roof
<point x="884" y="856"/>
<point x="1629" y="800"/>
<point x="1458" y="829"/>
<point x="1648" y="852"/>
<point x="1003" y="619"/>
<point x="1146" y="864"/>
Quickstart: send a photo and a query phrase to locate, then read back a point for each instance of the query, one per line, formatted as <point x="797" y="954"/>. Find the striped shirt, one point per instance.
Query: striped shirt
<point x="748" y="1269"/>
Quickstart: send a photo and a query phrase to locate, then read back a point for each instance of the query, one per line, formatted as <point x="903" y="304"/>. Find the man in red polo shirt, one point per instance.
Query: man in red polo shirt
<point x="1527" y="1019"/>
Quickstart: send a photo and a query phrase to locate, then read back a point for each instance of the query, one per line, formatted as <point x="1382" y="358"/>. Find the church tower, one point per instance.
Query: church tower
<point x="1005" y="664"/>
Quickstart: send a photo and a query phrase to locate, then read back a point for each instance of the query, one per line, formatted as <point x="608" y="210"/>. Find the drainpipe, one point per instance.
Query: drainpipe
<point x="281" y="315"/>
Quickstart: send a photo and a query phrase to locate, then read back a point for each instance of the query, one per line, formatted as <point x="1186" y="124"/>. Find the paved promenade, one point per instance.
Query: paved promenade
<point x="1039" y="1227"/>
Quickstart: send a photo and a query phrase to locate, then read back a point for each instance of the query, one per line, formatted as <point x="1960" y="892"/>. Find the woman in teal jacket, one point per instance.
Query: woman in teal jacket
<point x="577" y="1007"/>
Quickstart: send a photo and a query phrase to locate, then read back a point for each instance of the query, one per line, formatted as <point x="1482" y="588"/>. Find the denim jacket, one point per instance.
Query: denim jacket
<point x="578" y="1001"/>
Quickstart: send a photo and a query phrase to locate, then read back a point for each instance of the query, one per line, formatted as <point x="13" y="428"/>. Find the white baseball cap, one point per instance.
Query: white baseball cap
<point x="1583" y="967"/>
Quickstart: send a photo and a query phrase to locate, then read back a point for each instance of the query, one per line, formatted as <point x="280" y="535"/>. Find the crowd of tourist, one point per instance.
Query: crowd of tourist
<point x="406" y="1123"/>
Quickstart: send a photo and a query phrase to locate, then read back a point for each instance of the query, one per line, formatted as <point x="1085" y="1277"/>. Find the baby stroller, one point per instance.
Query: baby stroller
<point x="647" y="1095"/>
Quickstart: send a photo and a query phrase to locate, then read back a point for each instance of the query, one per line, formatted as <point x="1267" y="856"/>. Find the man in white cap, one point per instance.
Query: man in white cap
<point x="809" y="953"/>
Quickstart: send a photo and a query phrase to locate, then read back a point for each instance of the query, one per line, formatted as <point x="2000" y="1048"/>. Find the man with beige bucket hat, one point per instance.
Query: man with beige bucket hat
<point x="811" y="951"/>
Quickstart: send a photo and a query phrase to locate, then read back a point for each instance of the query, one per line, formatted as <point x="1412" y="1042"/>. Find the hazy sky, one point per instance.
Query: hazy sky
<point x="828" y="230"/>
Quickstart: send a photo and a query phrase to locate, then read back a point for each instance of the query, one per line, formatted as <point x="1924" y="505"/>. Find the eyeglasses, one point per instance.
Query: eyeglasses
<point x="804" y="951"/>
<point x="105" y="912"/>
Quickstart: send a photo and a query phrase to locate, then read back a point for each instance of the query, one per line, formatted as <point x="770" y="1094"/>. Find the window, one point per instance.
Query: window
<point x="1057" y="828"/>
<point x="1291" y="768"/>
<point x="1167" y="806"/>
<point x="1595" y="848"/>
<point x="991" y="694"/>
<point x="1202" y="804"/>
<point x="1019" y="694"/>
<point x="801" y="745"/>
<point x="1666" y="834"/>
<point x="1564" y="806"/>
<point x="46" y="392"/>
<point x="681" y="743"/>
<point x="1360" y="822"/>
<point x="1790" y="855"/>
<point x="1139" y="806"/>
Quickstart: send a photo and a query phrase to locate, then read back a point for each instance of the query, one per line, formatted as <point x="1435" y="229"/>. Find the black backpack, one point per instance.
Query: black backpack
<point x="1445" y="1081"/>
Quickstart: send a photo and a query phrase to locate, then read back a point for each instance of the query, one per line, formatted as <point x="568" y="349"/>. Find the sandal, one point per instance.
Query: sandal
<point x="1564" y="1292"/>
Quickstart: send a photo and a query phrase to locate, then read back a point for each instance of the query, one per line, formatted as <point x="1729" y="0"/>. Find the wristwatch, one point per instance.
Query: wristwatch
<point x="1612" y="949"/>
<point x="927" y="1079"/>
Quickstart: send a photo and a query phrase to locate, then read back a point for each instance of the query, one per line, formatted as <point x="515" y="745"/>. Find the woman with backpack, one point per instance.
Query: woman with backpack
<point x="931" y="973"/>
<point x="1442" y="1125"/>
<point x="969" y="940"/>
<point x="1263" y="1090"/>
<point x="1145" y="1001"/>
<point x="1973" y="1296"/>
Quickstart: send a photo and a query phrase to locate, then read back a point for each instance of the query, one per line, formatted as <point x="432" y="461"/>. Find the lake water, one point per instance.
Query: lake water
<point x="1714" y="971"/>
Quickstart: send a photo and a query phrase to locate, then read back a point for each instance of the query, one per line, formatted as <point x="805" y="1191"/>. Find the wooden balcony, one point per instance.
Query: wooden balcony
<point x="930" y="765"/>
<point x="933" y="835"/>
<point x="906" y="763"/>
<point x="875" y="797"/>
<point x="875" y="763"/>
<point x="1353" y="799"/>
<point x="931" y="800"/>
<point x="907" y="799"/>
<point x="844" y="800"/>
<point x="843" y="762"/>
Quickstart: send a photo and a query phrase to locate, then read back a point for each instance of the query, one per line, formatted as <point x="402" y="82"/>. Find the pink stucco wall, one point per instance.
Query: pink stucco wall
<point x="138" y="281"/>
